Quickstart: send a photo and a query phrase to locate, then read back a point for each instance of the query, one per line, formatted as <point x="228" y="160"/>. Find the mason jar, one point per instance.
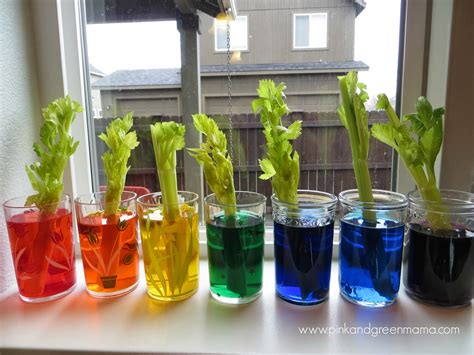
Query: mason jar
<point x="371" y="247"/>
<point x="303" y="239"/>
<point x="440" y="249"/>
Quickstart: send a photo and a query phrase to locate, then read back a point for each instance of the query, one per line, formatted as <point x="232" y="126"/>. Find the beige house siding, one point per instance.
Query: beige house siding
<point x="270" y="32"/>
<point x="305" y="92"/>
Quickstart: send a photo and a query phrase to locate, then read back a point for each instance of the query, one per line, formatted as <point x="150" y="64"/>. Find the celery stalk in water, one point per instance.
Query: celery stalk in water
<point x="281" y="162"/>
<point x="212" y="155"/>
<point x="46" y="175"/>
<point x="354" y="117"/>
<point x="120" y="142"/>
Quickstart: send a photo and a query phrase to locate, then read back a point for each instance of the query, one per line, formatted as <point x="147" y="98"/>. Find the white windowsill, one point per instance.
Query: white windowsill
<point x="135" y="323"/>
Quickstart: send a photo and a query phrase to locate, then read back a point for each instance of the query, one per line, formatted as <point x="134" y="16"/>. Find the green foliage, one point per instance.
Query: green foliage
<point x="417" y="138"/>
<point x="57" y="145"/>
<point x="353" y="116"/>
<point x="120" y="142"/>
<point x="212" y="155"/>
<point x="281" y="163"/>
<point x="167" y="138"/>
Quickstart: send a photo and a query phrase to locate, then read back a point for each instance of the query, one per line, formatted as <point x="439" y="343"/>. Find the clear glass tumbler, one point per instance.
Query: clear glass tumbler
<point x="42" y="246"/>
<point x="108" y="242"/>
<point x="235" y="244"/>
<point x="170" y="243"/>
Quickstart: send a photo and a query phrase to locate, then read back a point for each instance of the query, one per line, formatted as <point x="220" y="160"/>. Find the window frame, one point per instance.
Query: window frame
<point x="224" y="50"/>
<point x="309" y="47"/>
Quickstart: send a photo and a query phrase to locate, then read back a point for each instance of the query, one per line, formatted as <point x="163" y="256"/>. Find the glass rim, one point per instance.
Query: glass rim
<point x="102" y="193"/>
<point x="331" y="203"/>
<point x="262" y="198"/>
<point x="192" y="199"/>
<point x="64" y="198"/>
<point x="399" y="201"/>
<point x="455" y="200"/>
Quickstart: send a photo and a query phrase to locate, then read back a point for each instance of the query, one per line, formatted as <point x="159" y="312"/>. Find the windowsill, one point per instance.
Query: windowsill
<point x="135" y="323"/>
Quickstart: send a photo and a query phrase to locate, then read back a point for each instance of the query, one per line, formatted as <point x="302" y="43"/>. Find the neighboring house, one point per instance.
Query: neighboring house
<point x="304" y="43"/>
<point x="96" y="74"/>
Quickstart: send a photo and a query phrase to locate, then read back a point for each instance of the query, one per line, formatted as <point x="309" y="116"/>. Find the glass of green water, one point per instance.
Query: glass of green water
<point x="235" y="244"/>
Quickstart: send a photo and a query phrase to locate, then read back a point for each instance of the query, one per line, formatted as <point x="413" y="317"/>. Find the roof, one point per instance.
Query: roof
<point x="360" y="6"/>
<point x="94" y="71"/>
<point x="169" y="78"/>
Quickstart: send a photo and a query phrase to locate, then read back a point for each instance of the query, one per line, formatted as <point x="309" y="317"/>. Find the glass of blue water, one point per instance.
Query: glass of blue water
<point x="303" y="233"/>
<point x="371" y="247"/>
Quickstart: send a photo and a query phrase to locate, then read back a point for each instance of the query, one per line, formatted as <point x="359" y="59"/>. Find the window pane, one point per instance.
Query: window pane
<point x="221" y="35"/>
<point x="318" y="30"/>
<point x="238" y="33"/>
<point x="138" y="69"/>
<point x="301" y="31"/>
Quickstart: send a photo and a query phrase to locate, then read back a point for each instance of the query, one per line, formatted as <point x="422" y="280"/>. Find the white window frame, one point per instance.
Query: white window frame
<point x="220" y="50"/>
<point x="309" y="14"/>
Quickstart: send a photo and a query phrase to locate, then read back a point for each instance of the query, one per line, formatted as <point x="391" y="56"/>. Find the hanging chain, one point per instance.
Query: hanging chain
<point x="229" y="93"/>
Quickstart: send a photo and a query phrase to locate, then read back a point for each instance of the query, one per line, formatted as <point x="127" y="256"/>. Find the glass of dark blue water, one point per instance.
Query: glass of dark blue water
<point x="440" y="249"/>
<point x="371" y="247"/>
<point x="303" y="234"/>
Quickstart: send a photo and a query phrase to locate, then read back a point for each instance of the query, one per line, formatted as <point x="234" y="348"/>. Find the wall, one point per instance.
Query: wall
<point x="19" y="113"/>
<point x="270" y="32"/>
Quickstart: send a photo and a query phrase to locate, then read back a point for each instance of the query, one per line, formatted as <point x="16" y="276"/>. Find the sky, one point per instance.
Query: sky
<point x="149" y="45"/>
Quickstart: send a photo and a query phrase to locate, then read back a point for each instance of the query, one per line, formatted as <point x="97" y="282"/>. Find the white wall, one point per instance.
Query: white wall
<point x="20" y="114"/>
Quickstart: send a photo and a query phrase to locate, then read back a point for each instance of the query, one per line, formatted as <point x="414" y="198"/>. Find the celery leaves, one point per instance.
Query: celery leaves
<point x="212" y="155"/>
<point x="120" y="142"/>
<point x="417" y="138"/>
<point x="57" y="145"/>
<point x="281" y="163"/>
<point x="167" y="138"/>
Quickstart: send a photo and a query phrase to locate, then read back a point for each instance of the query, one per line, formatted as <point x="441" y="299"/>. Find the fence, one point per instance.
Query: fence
<point x="325" y="153"/>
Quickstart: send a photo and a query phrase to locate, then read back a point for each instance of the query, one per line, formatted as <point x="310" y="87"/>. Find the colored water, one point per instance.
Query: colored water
<point x="303" y="262"/>
<point x="439" y="266"/>
<point x="43" y="253"/>
<point x="109" y="252"/>
<point x="370" y="261"/>
<point x="235" y="253"/>
<point x="170" y="254"/>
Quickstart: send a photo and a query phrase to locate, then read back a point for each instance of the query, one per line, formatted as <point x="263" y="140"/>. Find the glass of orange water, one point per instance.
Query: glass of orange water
<point x="109" y="245"/>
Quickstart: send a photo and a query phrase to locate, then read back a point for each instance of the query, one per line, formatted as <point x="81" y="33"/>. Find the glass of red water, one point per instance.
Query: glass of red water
<point x="108" y="242"/>
<point x="42" y="246"/>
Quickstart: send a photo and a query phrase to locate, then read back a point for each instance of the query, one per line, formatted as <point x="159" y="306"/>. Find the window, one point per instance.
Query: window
<point x="238" y="34"/>
<point x="310" y="31"/>
<point x="138" y="78"/>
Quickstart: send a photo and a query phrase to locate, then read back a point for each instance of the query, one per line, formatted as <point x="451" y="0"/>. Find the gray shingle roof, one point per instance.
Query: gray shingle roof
<point x="172" y="77"/>
<point x="95" y="71"/>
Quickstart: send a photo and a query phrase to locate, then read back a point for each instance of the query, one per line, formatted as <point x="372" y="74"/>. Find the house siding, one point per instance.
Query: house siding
<point x="270" y="32"/>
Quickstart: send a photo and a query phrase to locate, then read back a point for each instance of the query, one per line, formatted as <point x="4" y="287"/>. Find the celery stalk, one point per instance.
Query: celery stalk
<point x="281" y="163"/>
<point x="120" y="142"/>
<point x="417" y="138"/>
<point x="57" y="145"/>
<point x="354" y="118"/>
<point x="168" y="137"/>
<point x="212" y="155"/>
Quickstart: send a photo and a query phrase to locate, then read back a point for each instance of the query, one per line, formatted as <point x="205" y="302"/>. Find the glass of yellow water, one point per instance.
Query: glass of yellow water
<point x="170" y="243"/>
